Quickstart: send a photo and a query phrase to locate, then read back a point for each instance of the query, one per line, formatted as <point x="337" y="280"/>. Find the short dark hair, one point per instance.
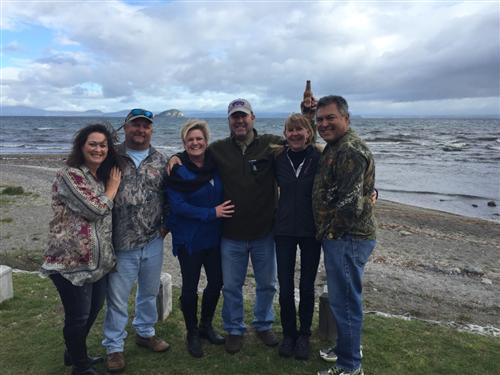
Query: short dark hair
<point x="339" y="101"/>
<point x="76" y="159"/>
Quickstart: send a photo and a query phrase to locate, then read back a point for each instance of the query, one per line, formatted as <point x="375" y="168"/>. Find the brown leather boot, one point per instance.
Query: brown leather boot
<point x="154" y="343"/>
<point x="115" y="362"/>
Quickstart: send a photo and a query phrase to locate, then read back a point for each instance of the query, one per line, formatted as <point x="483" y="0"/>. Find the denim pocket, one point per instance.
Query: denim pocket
<point x="362" y="250"/>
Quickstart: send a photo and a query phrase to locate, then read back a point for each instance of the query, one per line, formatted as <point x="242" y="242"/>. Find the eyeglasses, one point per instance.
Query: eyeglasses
<point x="140" y="112"/>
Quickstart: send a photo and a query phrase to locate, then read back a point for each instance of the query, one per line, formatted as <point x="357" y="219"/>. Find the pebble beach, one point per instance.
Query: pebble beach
<point x="427" y="264"/>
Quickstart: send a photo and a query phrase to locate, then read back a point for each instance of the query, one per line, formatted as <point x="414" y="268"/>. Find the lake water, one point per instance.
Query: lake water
<point x="450" y="165"/>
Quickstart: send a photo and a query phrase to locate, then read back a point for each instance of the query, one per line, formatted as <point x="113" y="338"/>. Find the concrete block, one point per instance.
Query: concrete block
<point x="6" y="288"/>
<point x="164" y="298"/>
<point x="327" y="328"/>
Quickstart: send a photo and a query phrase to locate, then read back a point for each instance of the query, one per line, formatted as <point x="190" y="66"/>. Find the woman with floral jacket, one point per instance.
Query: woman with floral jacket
<point x="80" y="252"/>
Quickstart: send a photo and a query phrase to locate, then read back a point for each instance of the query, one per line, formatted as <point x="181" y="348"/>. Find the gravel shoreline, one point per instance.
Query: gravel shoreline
<point x="427" y="264"/>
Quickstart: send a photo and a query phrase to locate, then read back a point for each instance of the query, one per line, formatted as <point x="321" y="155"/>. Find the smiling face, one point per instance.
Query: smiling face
<point x="195" y="144"/>
<point x="241" y="124"/>
<point x="297" y="137"/>
<point x="332" y="125"/>
<point x="138" y="134"/>
<point x="95" y="150"/>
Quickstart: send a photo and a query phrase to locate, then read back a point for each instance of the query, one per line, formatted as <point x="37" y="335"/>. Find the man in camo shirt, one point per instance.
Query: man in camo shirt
<point x="138" y="241"/>
<point x="345" y="224"/>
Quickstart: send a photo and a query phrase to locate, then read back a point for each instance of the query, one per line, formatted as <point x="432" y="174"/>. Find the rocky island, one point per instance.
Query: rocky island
<point x="170" y="113"/>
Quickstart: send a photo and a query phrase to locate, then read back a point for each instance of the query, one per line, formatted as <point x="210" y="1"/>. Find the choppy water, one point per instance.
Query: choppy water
<point x="444" y="164"/>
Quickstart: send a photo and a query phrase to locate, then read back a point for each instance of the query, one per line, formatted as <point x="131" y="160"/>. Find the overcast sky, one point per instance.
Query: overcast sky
<point x="385" y="58"/>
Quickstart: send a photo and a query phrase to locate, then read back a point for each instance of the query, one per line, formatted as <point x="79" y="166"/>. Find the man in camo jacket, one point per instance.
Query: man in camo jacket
<point x="138" y="241"/>
<point x="345" y="224"/>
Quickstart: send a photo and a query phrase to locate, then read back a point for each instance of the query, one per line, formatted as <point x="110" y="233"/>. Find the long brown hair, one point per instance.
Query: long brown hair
<point x="76" y="159"/>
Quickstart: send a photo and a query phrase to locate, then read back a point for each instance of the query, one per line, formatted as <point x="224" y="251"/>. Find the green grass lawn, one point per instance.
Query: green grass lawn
<point x="31" y="343"/>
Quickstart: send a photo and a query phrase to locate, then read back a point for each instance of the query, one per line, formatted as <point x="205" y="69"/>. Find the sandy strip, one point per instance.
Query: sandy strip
<point x="427" y="264"/>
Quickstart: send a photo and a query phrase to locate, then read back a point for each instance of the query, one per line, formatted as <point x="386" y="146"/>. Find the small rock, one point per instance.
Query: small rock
<point x="455" y="271"/>
<point x="474" y="205"/>
<point x="404" y="233"/>
<point x="486" y="281"/>
<point x="473" y="270"/>
<point x="492" y="204"/>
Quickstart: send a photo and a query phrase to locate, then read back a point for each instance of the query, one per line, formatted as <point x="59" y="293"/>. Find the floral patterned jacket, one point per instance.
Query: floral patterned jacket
<point x="79" y="244"/>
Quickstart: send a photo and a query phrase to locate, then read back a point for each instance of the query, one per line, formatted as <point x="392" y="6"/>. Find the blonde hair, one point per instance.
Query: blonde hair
<point x="295" y="120"/>
<point x="298" y="120"/>
<point x="195" y="125"/>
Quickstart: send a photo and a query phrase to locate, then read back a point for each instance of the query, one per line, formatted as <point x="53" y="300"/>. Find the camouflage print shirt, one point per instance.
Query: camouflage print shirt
<point x="139" y="204"/>
<point x="341" y="193"/>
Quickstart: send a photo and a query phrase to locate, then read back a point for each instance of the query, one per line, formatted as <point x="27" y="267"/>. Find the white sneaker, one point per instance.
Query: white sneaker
<point x="328" y="354"/>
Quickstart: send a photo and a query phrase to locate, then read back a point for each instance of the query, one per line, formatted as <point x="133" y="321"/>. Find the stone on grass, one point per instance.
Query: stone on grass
<point x="6" y="288"/>
<point x="327" y="329"/>
<point x="164" y="298"/>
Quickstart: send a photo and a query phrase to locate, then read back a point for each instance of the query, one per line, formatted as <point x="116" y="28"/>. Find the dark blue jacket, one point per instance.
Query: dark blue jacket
<point x="294" y="216"/>
<point x="192" y="219"/>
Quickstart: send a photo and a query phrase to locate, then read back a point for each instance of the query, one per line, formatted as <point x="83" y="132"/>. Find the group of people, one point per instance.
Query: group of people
<point x="248" y="196"/>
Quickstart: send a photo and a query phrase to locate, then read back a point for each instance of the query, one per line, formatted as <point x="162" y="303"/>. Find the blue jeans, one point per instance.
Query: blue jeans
<point x="345" y="260"/>
<point x="144" y="266"/>
<point x="234" y="269"/>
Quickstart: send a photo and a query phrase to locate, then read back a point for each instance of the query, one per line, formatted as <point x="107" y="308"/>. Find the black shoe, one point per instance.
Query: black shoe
<point x="302" y="348"/>
<point x="213" y="337"/>
<point x="286" y="347"/>
<point x="268" y="337"/>
<point x="234" y="343"/>
<point x="92" y="360"/>
<point x="87" y="371"/>
<point x="194" y="344"/>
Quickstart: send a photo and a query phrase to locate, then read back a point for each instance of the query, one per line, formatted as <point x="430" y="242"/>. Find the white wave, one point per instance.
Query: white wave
<point x="44" y="128"/>
<point x="12" y="145"/>
<point x="455" y="146"/>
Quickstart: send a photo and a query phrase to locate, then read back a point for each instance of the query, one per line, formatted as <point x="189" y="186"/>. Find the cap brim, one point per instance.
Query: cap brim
<point x="139" y="116"/>
<point x="240" y="109"/>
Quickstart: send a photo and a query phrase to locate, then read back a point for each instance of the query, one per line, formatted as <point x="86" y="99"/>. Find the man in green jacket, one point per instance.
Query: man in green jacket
<point x="244" y="160"/>
<point x="345" y="224"/>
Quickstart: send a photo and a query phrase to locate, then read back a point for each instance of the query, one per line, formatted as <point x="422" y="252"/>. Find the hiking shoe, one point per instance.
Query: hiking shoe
<point x="302" y="348"/>
<point x="286" y="347"/>
<point x="154" y="343"/>
<point x="341" y="371"/>
<point x="115" y="362"/>
<point x="234" y="343"/>
<point x="268" y="337"/>
<point x="328" y="354"/>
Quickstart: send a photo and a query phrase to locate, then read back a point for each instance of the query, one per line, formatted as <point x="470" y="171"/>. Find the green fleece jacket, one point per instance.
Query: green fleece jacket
<point x="249" y="182"/>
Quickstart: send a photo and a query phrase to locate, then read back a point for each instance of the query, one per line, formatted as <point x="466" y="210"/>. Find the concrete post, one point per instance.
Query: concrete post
<point x="6" y="288"/>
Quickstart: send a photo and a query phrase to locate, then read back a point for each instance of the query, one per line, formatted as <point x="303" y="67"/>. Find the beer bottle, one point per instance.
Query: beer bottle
<point x="307" y="97"/>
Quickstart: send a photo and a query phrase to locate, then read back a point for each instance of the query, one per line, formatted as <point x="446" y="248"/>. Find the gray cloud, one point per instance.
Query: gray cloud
<point x="203" y="54"/>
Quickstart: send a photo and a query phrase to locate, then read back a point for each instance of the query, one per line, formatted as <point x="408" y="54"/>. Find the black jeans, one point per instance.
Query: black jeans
<point x="81" y="307"/>
<point x="286" y="252"/>
<point x="190" y="269"/>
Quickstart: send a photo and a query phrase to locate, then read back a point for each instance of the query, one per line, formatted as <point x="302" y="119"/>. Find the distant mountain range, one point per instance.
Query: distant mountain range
<point x="175" y="113"/>
<point x="172" y="113"/>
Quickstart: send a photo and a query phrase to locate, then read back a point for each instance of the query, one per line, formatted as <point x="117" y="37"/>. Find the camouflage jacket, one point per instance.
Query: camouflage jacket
<point x="139" y="204"/>
<point x="342" y="188"/>
<point x="79" y="241"/>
